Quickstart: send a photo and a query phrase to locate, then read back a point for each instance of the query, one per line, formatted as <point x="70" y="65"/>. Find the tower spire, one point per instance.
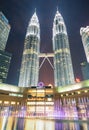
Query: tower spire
<point x="57" y="8"/>
<point x="35" y="10"/>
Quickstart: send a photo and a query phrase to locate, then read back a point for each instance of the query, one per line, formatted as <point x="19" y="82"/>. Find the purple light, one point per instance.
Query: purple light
<point x="40" y="84"/>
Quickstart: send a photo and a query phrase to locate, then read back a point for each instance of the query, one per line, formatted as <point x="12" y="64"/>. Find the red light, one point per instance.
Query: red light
<point x="77" y="80"/>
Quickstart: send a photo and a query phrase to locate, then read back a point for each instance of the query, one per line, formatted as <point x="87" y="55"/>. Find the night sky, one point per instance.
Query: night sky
<point x="19" y="12"/>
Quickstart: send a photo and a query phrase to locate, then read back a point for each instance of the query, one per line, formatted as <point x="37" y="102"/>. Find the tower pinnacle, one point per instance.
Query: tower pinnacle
<point x="35" y="10"/>
<point x="57" y="9"/>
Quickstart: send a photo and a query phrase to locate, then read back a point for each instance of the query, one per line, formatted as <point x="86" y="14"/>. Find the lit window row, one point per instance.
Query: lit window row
<point x="8" y="102"/>
<point x="16" y="95"/>
<point x="40" y="103"/>
<point x="73" y="93"/>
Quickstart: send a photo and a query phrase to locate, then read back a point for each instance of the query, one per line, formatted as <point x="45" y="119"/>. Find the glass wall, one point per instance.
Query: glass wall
<point x="40" y="101"/>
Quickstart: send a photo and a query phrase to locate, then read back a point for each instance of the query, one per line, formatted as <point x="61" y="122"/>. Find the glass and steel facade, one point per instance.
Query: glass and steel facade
<point x="4" y="31"/>
<point x="5" y="59"/>
<point x="85" y="70"/>
<point x="84" y="32"/>
<point x="63" y="69"/>
<point x="40" y="101"/>
<point x="37" y="101"/>
<point x="30" y="61"/>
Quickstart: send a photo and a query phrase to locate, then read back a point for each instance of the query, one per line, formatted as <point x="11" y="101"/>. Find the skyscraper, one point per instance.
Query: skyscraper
<point x="84" y="32"/>
<point x="63" y="69"/>
<point x="30" y="61"/>
<point x="4" y="31"/>
<point x="85" y="70"/>
<point x="5" y="59"/>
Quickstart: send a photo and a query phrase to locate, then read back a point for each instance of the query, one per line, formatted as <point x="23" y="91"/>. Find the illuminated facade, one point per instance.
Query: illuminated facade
<point x="40" y="101"/>
<point x="84" y="32"/>
<point x="4" y="31"/>
<point x="30" y="61"/>
<point x="5" y="59"/>
<point x="67" y="102"/>
<point x="85" y="70"/>
<point x="63" y="69"/>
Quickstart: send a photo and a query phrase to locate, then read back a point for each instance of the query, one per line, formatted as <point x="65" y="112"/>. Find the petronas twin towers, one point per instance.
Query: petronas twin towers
<point x="63" y="69"/>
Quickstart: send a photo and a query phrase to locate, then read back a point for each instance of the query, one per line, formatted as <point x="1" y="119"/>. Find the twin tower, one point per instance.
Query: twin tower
<point x="63" y="69"/>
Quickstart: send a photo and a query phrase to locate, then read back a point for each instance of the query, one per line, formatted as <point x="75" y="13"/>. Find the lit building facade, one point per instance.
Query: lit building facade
<point x="4" y="31"/>
<point x="67" y="102"/>
<point x="5" y="59"/>
<point x="84" y="32"/>
<point x="63" y="69"/>
<point x="30" y="61"/>
<point x="85" y="70"/>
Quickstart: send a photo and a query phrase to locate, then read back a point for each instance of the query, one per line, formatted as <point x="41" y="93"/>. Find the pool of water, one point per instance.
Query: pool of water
<point x="14" y="123"/>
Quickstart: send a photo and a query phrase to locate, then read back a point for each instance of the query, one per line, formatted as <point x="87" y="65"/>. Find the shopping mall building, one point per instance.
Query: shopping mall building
<point x="46" y="100"/>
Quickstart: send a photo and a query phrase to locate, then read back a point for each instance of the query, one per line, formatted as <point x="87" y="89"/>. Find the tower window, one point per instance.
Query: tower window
<point x="56" y="22"/>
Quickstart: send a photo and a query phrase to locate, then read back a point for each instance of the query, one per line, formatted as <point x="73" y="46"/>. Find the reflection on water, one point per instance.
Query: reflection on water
<point x="13" y="123"/>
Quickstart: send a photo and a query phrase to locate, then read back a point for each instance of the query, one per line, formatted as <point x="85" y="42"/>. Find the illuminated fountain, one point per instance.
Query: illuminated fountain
<point x="72" y="108"/>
